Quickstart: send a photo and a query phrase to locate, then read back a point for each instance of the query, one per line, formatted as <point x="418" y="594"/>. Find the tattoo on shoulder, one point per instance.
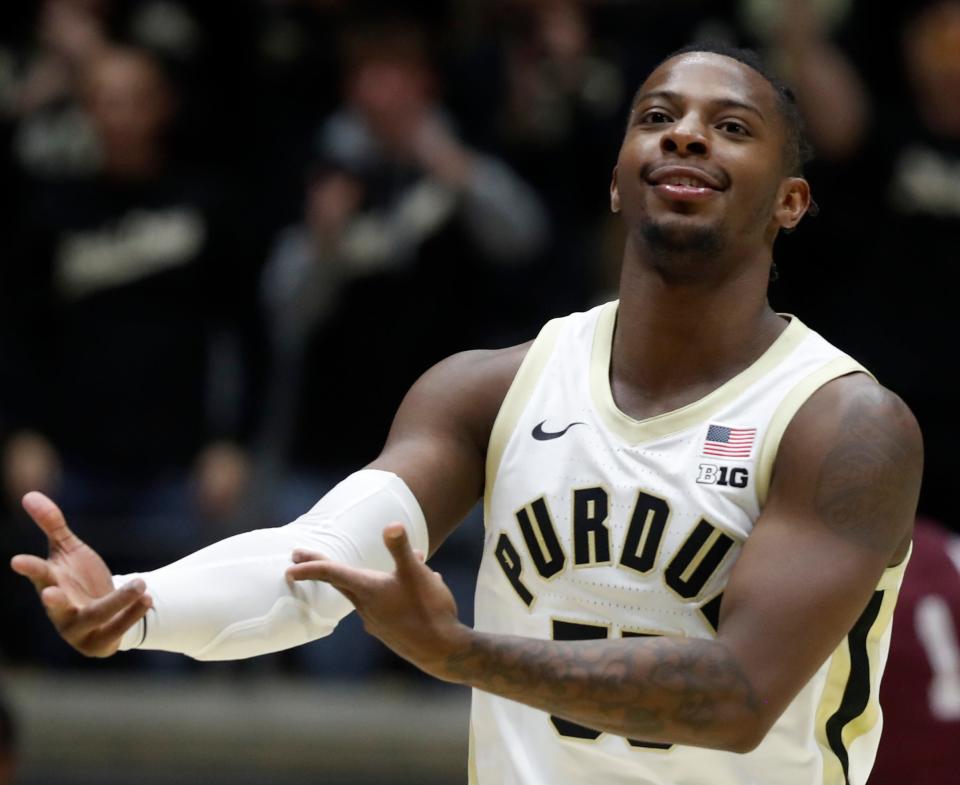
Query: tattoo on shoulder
<point x="866" y="486"/>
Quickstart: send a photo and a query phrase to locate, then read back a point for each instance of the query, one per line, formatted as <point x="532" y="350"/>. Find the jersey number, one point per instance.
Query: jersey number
<point x="574" y="631"/>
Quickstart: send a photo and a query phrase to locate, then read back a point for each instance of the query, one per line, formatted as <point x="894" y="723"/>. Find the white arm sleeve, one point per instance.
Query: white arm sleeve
<point x="231" y="600"/>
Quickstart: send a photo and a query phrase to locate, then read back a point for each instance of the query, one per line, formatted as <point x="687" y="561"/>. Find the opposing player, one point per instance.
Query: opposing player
<point x="698" y="511"/>
<point x="921" y="689"/>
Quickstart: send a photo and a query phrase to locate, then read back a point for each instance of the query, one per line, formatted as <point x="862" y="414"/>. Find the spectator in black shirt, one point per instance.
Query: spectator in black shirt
<point x="888" y="116"/>
<point x="128" y="311"/>
<point x="407" y="234"/>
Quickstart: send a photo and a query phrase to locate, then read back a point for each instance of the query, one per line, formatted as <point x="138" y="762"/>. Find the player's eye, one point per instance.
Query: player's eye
<point x="655" y="116"/>
<point x="734" y="127"/>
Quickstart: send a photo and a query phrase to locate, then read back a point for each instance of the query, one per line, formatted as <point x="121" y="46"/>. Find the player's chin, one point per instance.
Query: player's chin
<point x="702" y="210"/>
<point x="683" y="233"/>
<point x="681" y="220"/>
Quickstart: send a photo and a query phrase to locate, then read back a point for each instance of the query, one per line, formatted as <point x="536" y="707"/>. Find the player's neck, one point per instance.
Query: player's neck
<point x="676" y="342"/>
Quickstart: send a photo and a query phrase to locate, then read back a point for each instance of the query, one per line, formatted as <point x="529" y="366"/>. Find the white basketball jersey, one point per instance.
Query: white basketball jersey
<point x="602" y="526"/>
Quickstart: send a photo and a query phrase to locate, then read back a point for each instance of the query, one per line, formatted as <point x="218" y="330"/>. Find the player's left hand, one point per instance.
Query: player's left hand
<point x="411" y="609"/>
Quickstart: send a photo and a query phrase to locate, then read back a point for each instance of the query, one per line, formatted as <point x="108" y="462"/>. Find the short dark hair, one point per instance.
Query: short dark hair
<point x="799" y="151"/>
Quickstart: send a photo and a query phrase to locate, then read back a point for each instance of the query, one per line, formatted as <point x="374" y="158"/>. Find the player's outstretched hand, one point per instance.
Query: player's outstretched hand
<point x="411" y="609"/>
<point x="76" y="587"/>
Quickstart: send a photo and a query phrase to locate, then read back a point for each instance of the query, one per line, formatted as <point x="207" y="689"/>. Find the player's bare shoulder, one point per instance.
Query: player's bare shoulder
<point x="479" y="379"/>
<point x="464" y="392"/>
<point x="854" y="453"/>
<point x="438" y="441"/>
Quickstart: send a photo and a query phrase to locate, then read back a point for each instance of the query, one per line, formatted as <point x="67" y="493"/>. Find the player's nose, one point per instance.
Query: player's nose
<point x="686" y="137"/>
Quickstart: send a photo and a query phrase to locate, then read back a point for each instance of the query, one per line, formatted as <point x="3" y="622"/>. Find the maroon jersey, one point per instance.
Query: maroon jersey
<point x="920" y="693"/>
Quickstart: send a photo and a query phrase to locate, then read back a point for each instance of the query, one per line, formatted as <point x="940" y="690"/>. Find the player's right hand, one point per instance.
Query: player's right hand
<point x="76" y="587"/>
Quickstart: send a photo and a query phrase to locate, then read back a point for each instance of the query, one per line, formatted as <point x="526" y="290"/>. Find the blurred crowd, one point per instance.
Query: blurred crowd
<point x="234" y="234"/>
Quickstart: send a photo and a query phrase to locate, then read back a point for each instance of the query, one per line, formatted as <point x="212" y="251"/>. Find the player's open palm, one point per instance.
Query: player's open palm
<point x="410" y="610"/>
<point x="76" y="587"/>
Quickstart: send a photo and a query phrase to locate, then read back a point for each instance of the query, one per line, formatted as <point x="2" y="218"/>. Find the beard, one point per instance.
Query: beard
<point x="683" y="253"/>
<point x="686" y="241"/>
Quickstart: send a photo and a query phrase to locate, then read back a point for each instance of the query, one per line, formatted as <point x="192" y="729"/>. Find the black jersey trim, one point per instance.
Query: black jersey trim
<point x="856" y="693"/>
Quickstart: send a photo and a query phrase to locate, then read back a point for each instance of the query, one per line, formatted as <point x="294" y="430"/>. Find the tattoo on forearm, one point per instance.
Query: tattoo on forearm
<point x="663" y="689"/>
<point x="860" y="486"/>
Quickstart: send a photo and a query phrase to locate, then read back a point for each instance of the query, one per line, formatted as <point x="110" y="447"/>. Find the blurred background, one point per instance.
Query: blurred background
<point x="234" y="234"/>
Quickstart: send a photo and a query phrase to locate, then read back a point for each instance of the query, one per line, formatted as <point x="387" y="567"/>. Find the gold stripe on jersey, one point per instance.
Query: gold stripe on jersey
<point x="871" y="714"/>
<point x="841" y="366"/>
<point x="637" y="431"/>
<point x="848" y="707"/>
<point x="515" y="401"/>
<point x="472" y="777"/>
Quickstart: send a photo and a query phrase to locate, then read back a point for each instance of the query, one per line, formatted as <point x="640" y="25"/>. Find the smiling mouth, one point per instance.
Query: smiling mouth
<point x="684" y="190"/>
<point x="686" y="182"/>
<point x="685" y="177"/>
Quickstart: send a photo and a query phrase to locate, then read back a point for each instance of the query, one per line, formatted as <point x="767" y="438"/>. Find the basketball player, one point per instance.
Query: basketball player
<point x="698" y="511"/>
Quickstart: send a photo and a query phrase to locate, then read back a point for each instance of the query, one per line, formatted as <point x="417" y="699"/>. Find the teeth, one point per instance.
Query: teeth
<point x="688" y="181"/>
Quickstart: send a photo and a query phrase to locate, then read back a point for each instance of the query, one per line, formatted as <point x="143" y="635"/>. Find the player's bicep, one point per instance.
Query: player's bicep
<point x="437" y="443"/>
<point x="840" y="511"/>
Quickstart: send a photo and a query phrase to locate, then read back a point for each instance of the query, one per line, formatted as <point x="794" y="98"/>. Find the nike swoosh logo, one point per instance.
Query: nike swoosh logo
<point x="543" y="436"/>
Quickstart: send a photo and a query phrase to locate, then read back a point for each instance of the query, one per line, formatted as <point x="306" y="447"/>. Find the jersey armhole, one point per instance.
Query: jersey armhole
<point x="841" y="366"/>
<point x="515" y="401"/>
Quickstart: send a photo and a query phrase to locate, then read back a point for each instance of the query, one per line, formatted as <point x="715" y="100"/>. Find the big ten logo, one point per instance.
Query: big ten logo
<point x="733" y="476"/>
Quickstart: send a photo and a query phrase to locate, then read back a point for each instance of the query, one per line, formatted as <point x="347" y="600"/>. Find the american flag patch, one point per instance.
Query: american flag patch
<point x="724" y="442"/>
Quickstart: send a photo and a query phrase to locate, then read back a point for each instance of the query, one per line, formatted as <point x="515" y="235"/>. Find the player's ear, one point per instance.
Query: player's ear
<point x="793" y="201"/>
<point x="614" y="193"/>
